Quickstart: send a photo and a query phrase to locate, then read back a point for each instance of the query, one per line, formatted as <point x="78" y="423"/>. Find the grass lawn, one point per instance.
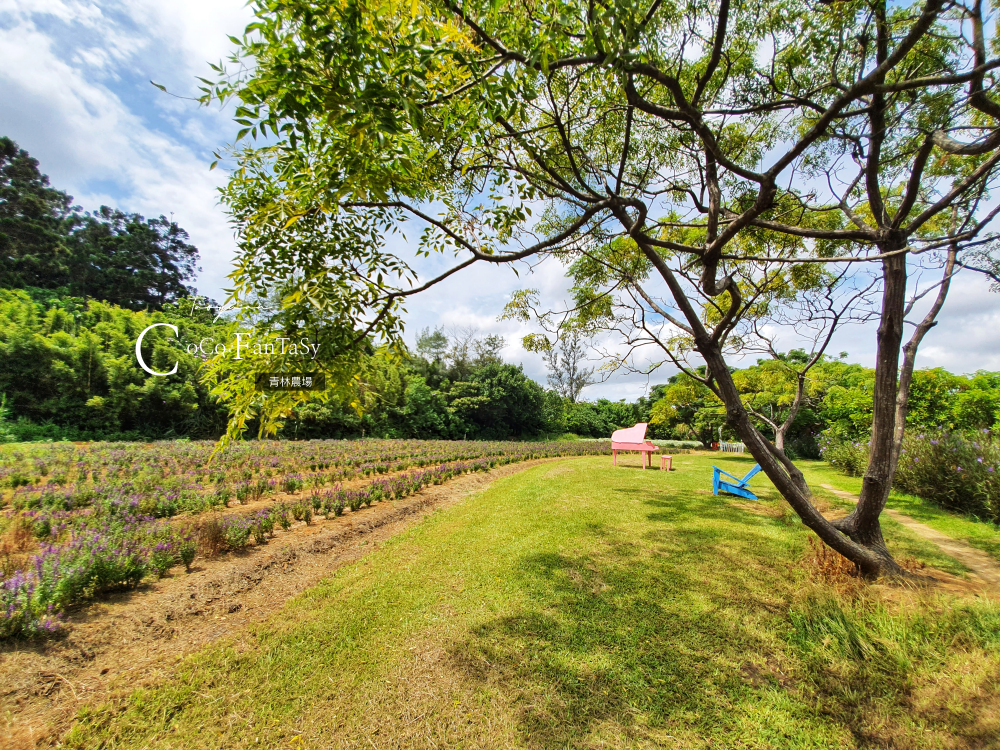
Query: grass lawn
<point x="580" y="605"/>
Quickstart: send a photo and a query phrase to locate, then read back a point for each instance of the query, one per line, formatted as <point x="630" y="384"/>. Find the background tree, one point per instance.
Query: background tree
<point x="488" y="350"/>
<point x="34" y="223"/>
<point x="700" y="159"/>
<point x="432" y="345"/>
<point x="130" y="261"/>
<point x="567" y="374"/>
<point x="688" y="410"/>
<point x="112" y="256"/>
<point x="469" y="351"/>
<point x="504" y="403"/>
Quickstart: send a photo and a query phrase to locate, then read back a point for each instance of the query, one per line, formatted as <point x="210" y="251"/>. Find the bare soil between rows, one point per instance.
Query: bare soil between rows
<point x="134" y="638"/>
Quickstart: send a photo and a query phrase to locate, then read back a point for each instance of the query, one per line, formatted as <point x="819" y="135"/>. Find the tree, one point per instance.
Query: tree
<point x="510" y="404"/>
<point x="34" y="218"/>
<point x="696" y="166"/>
<point x="130" y="261"/>
<point x="468" y="352"/>
<point x="5" y="435"/>
<point x="112" y="256"/>
<point x="566" y="374"/>
<point x="432" y="345"/>
<point x="488" y="350"/>
<point x="426" y="412"/>
<point x="953" y="402"/>
<point x="688" y="410"/>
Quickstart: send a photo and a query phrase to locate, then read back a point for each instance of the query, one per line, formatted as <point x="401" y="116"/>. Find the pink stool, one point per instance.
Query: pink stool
<point x="666" y="462"/>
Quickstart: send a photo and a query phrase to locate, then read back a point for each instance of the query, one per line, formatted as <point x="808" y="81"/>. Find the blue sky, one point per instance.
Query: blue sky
<point x="75" y="92"/>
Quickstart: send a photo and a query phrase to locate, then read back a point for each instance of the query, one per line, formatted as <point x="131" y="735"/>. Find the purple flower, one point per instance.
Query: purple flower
<point x="934" y="442"/>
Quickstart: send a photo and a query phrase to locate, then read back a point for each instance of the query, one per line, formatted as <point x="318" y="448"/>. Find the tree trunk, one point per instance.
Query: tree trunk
<point x="910" y="354"/>
<point x="779" y="434"/>
<point x="862" y="524"/>
<point x="797" y="477"/>
<point x="873" y="559"/>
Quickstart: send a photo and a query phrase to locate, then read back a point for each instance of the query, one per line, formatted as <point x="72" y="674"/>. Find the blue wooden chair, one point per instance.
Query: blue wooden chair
<point x="740" y="488"/>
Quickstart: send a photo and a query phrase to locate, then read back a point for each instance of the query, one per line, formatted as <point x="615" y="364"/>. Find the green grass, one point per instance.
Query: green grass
<point x="580" y="605"/>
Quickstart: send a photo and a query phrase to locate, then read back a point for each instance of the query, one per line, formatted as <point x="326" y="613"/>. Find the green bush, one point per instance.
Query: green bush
<point x="851" y="457"/>
<point x="162" y="559"/>
<point x="236" y="532"/>
<point x="187" y="550"/>
<point x="51" y="394"/>
<point x="954" y="471"/>
<point x="282" y="515"/>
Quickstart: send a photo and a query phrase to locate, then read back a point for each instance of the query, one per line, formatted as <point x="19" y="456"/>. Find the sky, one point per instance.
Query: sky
<point x="75" y="92"/>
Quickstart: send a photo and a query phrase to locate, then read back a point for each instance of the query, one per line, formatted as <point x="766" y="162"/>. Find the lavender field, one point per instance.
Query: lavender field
<point x="81" y="520"/>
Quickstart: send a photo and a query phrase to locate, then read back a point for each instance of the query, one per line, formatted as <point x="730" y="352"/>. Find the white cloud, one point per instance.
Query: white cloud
<point x="75" y="94"/>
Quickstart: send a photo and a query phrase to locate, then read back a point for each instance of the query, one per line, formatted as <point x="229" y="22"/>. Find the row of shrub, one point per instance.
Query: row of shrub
<point x="96" y="554"/>
<point x="957" y="471"/>
<point x="231" y="533"/>
<point x="112" y="545"/>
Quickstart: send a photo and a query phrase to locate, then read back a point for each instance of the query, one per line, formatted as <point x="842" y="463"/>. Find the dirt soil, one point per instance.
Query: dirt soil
<point x="135" y="638"/>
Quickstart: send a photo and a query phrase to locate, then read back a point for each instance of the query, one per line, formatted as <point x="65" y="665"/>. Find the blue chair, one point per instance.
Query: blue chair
<point x="740" y="488"/>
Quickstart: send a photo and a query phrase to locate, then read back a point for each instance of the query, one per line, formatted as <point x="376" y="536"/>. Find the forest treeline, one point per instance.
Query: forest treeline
<point x="77" y="288"/>
<point x="68" y="370"/>
<point x="46" y="242"/>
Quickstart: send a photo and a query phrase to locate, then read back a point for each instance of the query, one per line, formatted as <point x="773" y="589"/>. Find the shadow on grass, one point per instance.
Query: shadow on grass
<point x="632" y="640"/>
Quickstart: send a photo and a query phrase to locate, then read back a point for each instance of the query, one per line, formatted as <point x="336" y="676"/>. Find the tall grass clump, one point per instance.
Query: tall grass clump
<point x="858" y="651"/>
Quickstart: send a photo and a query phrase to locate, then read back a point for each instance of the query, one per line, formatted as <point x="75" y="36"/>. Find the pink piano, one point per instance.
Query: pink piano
<point x="633" y="439"/>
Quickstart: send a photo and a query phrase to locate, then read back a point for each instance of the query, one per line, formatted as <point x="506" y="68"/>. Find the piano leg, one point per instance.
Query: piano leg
<point x="614" y="458"/>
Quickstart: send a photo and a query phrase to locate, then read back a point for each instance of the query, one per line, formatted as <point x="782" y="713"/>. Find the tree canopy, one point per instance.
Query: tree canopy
<point x="700" y="170"/>
<point x="108" y="255"/>
<point x="34" y="217"/>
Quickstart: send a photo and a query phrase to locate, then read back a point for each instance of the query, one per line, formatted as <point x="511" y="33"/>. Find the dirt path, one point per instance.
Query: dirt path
<point x="136" y="638"/>
<point x="981" y="564"/>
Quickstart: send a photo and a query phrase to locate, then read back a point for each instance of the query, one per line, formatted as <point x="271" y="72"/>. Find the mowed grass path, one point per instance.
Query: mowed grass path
<point x="580" y="605"/>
